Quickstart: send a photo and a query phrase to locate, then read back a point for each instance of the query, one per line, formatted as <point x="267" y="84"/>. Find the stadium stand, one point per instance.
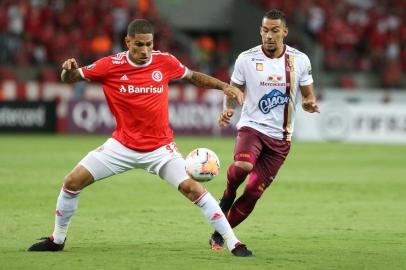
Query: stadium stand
<point x="355" y="35"/>
<point x="357" y="38"/>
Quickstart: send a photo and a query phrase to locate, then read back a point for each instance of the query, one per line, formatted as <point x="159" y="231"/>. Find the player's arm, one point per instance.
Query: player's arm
<point x="309" y="99"/>
<point x="202" y="80"/>
<point x="70" y="72"/>
<point x="229" y="105"/>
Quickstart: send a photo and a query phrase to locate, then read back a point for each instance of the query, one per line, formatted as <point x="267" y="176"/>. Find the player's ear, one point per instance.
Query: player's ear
<point x="285" y="31"/>
<point x="127" y="42"/>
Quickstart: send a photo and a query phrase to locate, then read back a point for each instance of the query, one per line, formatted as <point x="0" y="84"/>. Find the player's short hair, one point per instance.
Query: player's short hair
<point x="140" y="26"/>
<point x="276" y="14"/>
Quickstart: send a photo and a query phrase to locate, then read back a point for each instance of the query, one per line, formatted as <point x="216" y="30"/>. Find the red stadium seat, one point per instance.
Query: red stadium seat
<point x="7" y="73"/>
<point x="49" y="74"/>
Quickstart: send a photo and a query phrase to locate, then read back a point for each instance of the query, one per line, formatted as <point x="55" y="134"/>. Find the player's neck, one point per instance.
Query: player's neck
<point x="276" y="53"/>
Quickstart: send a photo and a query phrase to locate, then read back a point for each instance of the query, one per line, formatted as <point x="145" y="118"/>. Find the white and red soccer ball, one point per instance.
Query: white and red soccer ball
<point x="202" y="164"/>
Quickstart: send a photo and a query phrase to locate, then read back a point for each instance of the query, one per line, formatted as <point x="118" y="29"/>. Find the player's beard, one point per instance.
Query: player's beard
<point x="139" y="60"/>
<point x="270" y="48"/>
<point x="143" y="61"/>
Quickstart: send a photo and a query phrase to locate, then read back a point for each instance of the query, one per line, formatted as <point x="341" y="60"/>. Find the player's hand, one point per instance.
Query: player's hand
<point x="309" y="105"/>
<point x="235" y="93"/>
<point x="70" y="64"/>
<point x="225" y="117"/>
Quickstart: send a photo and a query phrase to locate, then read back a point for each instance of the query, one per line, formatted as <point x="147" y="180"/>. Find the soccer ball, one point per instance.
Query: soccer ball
<point x="202" y="164"/>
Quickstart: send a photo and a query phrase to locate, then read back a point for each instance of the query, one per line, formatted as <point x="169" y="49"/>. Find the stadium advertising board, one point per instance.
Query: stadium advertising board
<point x="344" y="122"/>
<point x="27" y="116"/>
<point x="85" y="116"/>
<point x="360" y="123"/>
<point x="187" y="118"/>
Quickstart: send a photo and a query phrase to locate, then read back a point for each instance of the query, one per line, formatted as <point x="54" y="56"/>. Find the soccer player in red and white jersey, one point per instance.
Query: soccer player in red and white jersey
<point x="135" y="84"/>
<point x="271" y="75"/>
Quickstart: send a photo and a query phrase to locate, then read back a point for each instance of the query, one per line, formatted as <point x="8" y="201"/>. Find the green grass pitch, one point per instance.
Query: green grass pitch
<point x="333" y="206"/>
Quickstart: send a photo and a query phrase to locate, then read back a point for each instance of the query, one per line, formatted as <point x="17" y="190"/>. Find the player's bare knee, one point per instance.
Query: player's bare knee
<point x="245" y="165"/>
<point x="78" y="179"/>
<point x="72" y="183"/>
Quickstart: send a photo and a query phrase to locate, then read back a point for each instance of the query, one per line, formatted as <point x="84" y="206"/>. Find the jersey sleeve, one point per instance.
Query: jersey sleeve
<point x="306" y="77"/>
<point x="96" y="71"/>
<point x="238" y="73"/>
<point x="176" y="69"/>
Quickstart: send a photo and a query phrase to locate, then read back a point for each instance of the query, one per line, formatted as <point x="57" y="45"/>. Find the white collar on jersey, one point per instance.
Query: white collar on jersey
<point x="134" y="64"/>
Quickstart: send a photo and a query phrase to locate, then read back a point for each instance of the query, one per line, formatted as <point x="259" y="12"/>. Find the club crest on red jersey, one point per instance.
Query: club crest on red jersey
<point x="157" y="75"/>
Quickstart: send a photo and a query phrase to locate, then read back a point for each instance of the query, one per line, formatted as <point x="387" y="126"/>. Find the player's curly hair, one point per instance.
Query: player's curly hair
<point x="140" y="26"/>
<point x="275" y="14"/>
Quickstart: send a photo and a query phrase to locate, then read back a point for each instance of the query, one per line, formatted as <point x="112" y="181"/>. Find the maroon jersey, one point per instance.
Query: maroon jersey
<point x="137" y="96"/>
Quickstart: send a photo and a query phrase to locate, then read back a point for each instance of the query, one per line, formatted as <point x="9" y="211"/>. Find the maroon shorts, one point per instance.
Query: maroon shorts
<point x="265" y="153"/>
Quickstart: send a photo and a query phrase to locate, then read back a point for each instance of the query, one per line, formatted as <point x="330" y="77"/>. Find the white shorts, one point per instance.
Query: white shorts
<point x="113" y="158"/>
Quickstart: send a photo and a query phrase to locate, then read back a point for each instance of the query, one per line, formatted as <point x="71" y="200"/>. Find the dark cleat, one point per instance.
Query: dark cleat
<point x="47" y="244"/>
<point x="216" y="241"/>
<point x="225" y="204"/>
<point x="241" y="250"/>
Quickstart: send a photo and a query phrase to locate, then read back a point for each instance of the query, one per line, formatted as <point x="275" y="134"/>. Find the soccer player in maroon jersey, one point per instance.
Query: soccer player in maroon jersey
<point x="272" y="75"/>
<point x="135" y="84"/>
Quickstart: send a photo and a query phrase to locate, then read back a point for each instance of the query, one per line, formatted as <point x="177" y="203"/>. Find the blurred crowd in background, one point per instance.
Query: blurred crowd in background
<point x="354" y="35"/>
